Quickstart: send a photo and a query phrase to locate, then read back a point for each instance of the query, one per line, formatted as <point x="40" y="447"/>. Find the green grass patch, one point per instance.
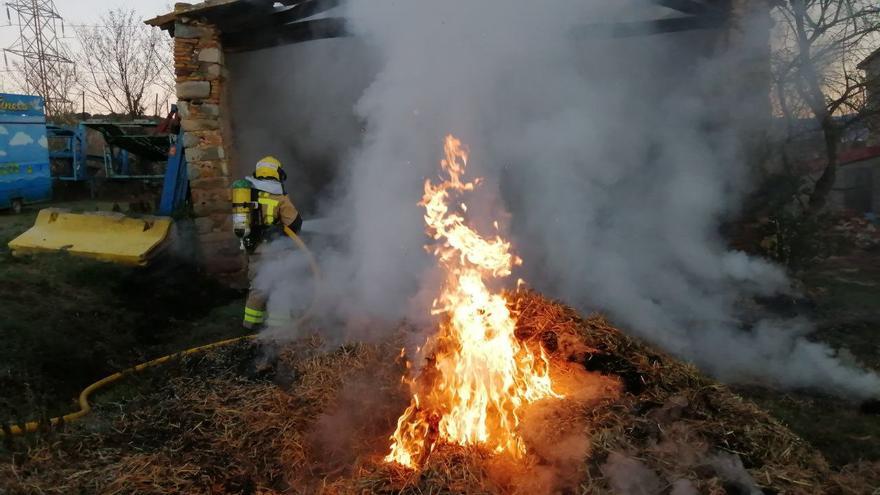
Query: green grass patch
<point x="832" y="425"/>
<point x="68" y="321"/>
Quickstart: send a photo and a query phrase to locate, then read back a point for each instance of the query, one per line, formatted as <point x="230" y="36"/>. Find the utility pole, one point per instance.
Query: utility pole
<point x="43" y="57"/>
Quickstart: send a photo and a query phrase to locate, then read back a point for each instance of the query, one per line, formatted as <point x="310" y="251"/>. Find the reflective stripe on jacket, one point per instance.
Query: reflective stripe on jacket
<point x="275" y="207"/>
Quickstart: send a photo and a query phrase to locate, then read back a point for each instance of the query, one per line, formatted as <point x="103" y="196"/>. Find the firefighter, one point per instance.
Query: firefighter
<point x="259" y="221"/>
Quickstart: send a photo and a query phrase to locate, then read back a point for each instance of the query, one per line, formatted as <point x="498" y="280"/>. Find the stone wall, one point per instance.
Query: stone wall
<point x="201" y="76"/>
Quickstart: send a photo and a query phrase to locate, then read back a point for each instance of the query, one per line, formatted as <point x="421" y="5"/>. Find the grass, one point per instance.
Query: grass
<point x="833" y="426"/>
<point x="846" y="293"/>
<point x="69" y="321"/>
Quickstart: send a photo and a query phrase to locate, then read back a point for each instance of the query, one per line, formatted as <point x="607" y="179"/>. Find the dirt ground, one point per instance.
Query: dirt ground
<point x="69" y="321"/>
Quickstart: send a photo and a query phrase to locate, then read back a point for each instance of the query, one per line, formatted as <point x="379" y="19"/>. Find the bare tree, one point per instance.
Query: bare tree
<point x="66" y="81"/>
<point x="122" y="62"/>
<point x="166" y="83"/>
<point x="819" y="43"/>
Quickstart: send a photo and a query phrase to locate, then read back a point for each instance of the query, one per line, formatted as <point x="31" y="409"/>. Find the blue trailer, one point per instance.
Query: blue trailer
<point x="25" y="174"/>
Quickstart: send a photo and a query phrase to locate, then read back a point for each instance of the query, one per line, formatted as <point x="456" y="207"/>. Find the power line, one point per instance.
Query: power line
<point x="67" y="25"/>
<point x="42" y="55"/>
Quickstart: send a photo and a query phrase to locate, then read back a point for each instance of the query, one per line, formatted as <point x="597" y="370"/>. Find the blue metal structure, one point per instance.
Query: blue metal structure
<point x="25" y="175"/>
<point x="176" y="180"/>
<point x="70" y="150"/>
<point x="69" y="147"/>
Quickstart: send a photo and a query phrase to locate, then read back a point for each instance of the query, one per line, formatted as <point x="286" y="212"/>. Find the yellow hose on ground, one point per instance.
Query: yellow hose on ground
<point x="85" y="407"/>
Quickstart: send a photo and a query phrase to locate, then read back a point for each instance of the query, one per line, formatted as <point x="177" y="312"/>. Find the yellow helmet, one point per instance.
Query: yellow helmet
<point x="268" y="168"/>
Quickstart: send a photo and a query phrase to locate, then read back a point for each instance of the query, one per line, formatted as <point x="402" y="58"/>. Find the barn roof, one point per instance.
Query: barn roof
<point x="255" y="24"/>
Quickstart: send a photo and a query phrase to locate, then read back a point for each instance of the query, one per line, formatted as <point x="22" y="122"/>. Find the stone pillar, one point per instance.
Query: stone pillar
<point x="201" y="76"/>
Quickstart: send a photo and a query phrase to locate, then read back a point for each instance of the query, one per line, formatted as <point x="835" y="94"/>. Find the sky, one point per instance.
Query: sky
<point x="78" y="12"/>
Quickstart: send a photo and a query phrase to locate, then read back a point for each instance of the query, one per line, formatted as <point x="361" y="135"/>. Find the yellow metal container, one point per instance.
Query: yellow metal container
<point x="105" y="236"/>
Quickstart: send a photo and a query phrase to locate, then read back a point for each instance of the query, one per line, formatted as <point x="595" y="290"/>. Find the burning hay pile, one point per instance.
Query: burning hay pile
<point x="315" y="421"/>
<point x="512" y="394"/>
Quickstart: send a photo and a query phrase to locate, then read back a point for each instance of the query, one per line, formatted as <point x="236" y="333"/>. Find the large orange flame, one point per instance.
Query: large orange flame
<point x="480" y="376"/>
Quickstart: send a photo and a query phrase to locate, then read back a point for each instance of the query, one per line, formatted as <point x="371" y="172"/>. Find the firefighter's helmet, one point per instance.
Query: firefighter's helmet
<point x="269" y="168"/>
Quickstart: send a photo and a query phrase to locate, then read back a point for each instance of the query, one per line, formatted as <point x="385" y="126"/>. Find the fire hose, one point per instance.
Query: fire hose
<point x="85" y="407"/>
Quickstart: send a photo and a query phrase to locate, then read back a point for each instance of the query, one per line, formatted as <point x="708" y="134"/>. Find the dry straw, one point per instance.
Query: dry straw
<point x="219" y="424"/>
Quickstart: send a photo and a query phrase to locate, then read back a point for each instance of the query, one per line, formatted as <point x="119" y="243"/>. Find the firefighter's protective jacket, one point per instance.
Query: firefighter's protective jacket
<point x="276" y="211"/>
<point x="275" y="206"/>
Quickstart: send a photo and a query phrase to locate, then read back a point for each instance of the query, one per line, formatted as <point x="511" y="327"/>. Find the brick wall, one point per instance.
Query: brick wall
<point x="201" y="77"/>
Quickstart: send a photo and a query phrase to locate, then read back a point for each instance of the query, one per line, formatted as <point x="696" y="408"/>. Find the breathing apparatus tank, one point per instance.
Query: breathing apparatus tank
<point x="244" y="211"/>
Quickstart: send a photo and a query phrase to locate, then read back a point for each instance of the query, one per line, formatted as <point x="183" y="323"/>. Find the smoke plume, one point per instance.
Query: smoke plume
<point x="614" y="160"/>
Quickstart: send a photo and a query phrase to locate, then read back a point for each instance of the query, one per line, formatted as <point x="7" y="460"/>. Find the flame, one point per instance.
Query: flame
<point x="480" y="376"/>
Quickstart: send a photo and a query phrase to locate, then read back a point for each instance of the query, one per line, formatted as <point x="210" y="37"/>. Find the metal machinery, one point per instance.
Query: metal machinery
<point x="124" y="144"/>
<point x="104" y="235"/>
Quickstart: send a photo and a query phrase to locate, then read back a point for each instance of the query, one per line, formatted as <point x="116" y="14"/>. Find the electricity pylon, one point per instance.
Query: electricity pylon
<point x="42" y="55"/>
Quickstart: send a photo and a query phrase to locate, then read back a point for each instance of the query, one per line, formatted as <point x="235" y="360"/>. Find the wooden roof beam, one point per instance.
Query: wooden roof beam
<point x="297" y="32"/>
<point x="692" y="7"/>
<point x="273" y="20"/>
<point x="647" y="28"/>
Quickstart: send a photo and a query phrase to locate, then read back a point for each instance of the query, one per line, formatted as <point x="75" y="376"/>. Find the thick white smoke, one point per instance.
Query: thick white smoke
<point x="617" y="159"/>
